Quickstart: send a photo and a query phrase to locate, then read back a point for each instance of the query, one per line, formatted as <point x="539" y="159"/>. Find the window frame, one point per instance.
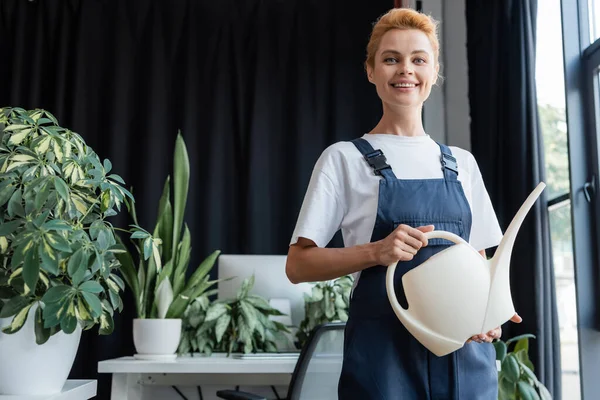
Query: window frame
<point x="582" y="128"/>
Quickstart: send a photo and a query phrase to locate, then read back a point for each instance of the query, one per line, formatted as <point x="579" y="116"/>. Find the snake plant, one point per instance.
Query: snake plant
<point x="157" y="277"/>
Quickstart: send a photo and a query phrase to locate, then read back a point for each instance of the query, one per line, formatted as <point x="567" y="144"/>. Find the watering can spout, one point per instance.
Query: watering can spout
<point x="506" y="245"/>
<point x="499" y="304"/>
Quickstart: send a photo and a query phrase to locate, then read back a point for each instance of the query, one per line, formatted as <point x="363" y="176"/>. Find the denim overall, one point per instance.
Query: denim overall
<point x="382" y="360"/>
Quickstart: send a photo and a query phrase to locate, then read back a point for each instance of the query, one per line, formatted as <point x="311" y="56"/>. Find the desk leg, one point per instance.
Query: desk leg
<point x="126" y="387"/>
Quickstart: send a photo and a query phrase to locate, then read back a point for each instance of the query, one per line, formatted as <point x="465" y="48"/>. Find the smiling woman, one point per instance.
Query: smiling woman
<point x="384" y="201"/>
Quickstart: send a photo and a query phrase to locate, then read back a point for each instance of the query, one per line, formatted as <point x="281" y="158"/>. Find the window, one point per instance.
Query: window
<point x="552" y="116"/>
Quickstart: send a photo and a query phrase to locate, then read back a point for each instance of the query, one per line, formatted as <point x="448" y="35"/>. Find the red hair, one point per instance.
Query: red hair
<point x="402" y="18"/>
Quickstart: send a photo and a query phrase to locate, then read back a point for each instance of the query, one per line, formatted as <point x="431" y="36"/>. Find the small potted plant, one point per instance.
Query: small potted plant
<point x="329" y="301"/>
<point x="157" y="274"/>
<point x="58" y="269"/>
<point x="516" y="378"/>
<point x="239" y="325"/>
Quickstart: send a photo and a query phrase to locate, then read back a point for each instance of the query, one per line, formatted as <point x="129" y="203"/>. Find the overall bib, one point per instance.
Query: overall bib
<point x="382" y="360"/>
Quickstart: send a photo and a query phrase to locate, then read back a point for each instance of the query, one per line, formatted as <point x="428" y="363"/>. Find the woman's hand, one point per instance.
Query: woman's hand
<point x="402" y="244"/>
<point x="494" y="333"/>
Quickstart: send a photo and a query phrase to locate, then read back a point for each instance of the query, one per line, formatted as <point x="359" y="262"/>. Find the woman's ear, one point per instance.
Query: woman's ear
<point x="369" y="73"/>
<point x="437" y="73"/>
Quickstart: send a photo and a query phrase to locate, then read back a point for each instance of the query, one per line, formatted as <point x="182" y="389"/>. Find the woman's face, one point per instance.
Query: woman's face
<point x="404" y="68"/>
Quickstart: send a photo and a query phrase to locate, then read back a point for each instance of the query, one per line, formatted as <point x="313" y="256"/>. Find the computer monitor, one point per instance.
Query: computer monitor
<point x="270" y="280"/>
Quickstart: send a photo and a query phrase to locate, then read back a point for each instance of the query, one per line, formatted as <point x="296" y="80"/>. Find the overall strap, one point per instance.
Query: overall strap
<point x="375" y="158"/>
<point x="449" y="164"/>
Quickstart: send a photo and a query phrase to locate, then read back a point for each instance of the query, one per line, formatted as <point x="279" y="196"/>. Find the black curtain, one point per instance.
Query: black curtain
<point x="507" y="142"/>
<point x="258" y="88"/>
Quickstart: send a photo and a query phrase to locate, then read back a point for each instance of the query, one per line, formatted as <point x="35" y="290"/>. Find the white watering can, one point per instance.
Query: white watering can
<point x="457" y="293"/>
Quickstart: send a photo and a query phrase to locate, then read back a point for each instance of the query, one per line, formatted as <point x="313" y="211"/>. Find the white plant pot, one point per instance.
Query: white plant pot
<point x="27" y="368"/>
<point x="156" y="339"/>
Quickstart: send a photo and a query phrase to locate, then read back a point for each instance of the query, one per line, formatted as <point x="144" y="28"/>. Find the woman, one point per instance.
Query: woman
<point x="384" y="191"/>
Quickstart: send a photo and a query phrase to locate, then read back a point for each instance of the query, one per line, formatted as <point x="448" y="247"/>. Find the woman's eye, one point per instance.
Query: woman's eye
<point x="420" y="60"/>
<point x="390" y="60"/>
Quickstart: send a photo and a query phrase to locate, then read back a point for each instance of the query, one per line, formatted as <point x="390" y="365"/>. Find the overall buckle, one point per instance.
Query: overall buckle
<point x="377" y="161"/>
<point x="449" y="162"/>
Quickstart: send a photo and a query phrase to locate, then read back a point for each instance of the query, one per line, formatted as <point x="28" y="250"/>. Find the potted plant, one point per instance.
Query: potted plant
<point x="57" y="249"/>
<point x="157" y="277"/>
<point x="239" y="325"/>
<point x="516" y="378"/>
<point x="329" y="301"/>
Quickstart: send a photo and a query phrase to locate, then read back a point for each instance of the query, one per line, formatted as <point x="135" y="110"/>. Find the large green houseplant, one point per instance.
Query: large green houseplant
<point x="57" y="248"/>
<point x="56" y="244"/>
<point x="516" y="378"/>
<point x="156" y="270"/>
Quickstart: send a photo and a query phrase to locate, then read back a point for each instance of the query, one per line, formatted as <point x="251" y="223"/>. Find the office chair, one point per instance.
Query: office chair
<point x="317" y="371"/>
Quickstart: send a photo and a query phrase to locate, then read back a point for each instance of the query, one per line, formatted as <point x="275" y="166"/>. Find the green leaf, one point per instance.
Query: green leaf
<point x="165" y="221"/>
<point x="140" y="235"/>
<point x="147" y="248"/>
<point x="317" y="293"/>
<point x="31" y="269"/>
<point x="14" y="306"/>
<point x="544" y="393"/>
<point x="510" y="368"/>
<point x="163" y="298"/>
<point x="249" y="314"/>
<point x="107" y="324"/>
<point x="17" y="138"/>
<point x="18" y="321"/>
<point x="41" y="196"/>
<point x="116" y="178"/>
<point x="105" y="200"/>
<point x="506" y="389"/>
<point x="6" y="228"/>
<point x="57" y="225"/>
<point x="259" y="302"/>
<point x="528" y="372"/>
<point x="202" y="270"/>
<point x="215" y="311"/>
<point x="523" y="358"/>
<point x="526" y="391"/>
<point x="57" y="293"/>
<point x="342" y="315"/>
<point x="107" y="165"/>
<point x="128" y="271"/>
<point x="6" y="193"/>
<point x="15" y="206"/>
<point x="91" y="287"/>
<point x="93" y="302"/>
<point x="500" y="348"/>
<point x="76" y="262"/>
<point x="62" y="188"/>
<point x="68" y="324"/>
<point x="247" y="285"/>
<point x="181" y="178"/>
<point x="221" y="326"/>
<point x="183" y="259"/>
<point x="58" y="242"/>
<point x="42" y="334"/>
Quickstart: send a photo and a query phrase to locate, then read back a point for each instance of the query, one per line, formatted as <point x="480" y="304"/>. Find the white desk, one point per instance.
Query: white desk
<point x="72" y="390"/>
<point x="130" y="375"/>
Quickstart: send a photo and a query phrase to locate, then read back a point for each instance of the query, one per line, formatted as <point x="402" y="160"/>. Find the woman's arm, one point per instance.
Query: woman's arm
<point x="306" y="262"/>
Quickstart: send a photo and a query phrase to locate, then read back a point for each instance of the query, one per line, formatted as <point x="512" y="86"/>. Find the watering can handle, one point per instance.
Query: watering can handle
<point x="445" y="235"/>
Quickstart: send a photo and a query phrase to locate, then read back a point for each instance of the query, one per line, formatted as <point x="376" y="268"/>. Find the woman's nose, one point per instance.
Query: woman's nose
<point x="404" y="69"/>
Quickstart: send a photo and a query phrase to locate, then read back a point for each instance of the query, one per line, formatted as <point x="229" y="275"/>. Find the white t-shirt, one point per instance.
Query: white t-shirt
<point x="343" y="190"/>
